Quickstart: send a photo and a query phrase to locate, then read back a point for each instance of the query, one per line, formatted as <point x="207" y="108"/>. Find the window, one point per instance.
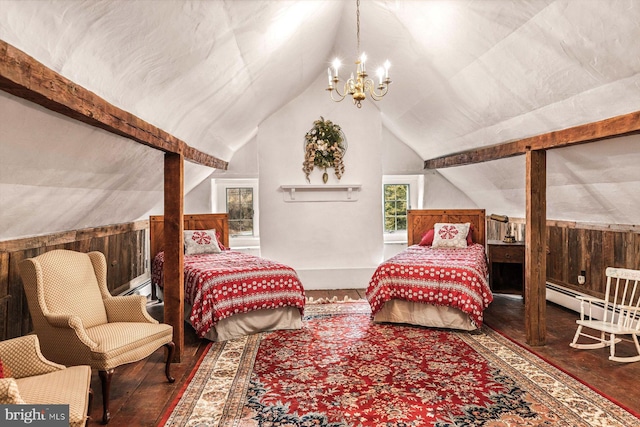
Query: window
<point x="241" y="199"/>
<point x="399" y="194"/>
<point x="240" y="208"/>
<point x="396" y="201"/>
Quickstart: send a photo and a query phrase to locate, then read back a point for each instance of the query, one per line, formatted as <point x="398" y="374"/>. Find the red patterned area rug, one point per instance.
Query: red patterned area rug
<point x="341" y="369"/>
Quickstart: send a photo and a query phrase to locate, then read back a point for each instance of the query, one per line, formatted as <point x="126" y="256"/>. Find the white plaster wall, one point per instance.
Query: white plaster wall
<point x="497" y="186"/>
<point x="198" y="200"/>
<point x="397" y="157"/>
<point x="440" y="193"/>
<point x="243" y="164"/>
<point x="330" y="244"/>
<point x="59" y="174"/>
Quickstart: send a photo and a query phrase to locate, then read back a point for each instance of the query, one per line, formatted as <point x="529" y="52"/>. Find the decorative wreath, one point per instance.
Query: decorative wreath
<point x="324" y="146"/>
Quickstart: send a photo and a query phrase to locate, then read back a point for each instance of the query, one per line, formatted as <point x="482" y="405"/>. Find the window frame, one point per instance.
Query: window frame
<point x="241" y="189"/>
<point x="219" y="204"/>
<point x="407" y="200"/>
<point x="416" y="196"/>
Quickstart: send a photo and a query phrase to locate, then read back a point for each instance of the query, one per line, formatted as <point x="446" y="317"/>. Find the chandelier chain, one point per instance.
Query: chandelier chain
<point x="358" y="25"/>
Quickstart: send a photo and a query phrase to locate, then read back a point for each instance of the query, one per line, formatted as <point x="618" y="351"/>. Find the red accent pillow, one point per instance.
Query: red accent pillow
<point x="220" y="244"/>
<point x="1" y="369"/>
<point x="427" y="239"/>
<point x="470" y="236"/>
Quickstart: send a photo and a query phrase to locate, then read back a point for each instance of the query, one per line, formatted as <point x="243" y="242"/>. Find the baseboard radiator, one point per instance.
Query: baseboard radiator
<point x="142" y="288"/>
<point x="567" y="298"/>
<point x="564" y="296"/>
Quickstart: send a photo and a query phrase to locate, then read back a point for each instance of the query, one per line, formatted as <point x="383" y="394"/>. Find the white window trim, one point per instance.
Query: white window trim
<point x="219" y="204"/>
<point x="416" y="196"/>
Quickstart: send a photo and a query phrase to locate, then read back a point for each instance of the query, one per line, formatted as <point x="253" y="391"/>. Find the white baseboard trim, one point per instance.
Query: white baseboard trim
<point x="335" y="278"/>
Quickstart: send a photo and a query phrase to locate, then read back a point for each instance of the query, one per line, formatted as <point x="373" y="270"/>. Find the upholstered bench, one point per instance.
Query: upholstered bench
<point x="30" y="378"/>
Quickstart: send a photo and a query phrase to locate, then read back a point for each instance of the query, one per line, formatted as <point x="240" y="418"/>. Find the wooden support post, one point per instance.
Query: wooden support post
<point x="173" y="248"/>
<point x="535" y="248"/>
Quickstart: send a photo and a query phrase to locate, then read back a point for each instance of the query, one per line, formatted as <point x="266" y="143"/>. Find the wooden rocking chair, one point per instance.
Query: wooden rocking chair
<point x="621" y="305"/>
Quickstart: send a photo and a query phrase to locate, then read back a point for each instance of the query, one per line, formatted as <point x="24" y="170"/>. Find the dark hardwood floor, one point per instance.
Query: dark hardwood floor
<point x="140" y="393"/>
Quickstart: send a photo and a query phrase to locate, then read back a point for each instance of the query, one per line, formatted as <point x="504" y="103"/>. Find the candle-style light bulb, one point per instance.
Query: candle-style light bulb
<point x="380" y="73"/>
<point x="363" y="59"/>
<point x="387" y="64"/>
<point x="336" y="64"/>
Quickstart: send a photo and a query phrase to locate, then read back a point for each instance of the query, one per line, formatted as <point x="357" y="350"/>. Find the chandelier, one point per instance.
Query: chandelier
<point x="359" y="86"/>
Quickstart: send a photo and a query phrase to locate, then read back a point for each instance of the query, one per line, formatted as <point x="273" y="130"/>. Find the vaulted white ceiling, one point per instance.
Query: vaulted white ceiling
<point x="465" y="73"/>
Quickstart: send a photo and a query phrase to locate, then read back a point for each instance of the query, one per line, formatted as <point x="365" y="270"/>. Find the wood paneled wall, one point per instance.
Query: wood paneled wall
<point x="572" y="248"/>
<point x="575" y="247"/>
<point x="124" y="247"/>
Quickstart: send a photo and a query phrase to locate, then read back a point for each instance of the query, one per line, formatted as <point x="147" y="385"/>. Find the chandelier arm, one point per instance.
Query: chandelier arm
<point x="370" y="87"/>
<point x="340" y="97"/>
<point x="378" y="96"/>
<point x="344" y="89"/>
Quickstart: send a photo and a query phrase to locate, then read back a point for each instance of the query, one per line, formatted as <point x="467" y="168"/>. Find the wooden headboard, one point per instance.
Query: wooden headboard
<point x="218" y="221"/>
<point x="420" y="221"/>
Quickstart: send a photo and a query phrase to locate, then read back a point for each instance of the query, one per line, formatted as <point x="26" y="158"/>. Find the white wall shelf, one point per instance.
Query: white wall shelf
<point x="321" y="193"/>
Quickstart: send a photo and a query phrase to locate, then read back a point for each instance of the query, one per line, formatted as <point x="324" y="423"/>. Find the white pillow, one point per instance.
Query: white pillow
<point x="200" y="242"/>
<point x="450" y="235"/>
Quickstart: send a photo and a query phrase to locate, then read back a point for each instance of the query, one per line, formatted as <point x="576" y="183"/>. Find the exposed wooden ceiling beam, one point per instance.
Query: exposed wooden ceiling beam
<point x="609" y="128"/>
<point x="23" y="76"/>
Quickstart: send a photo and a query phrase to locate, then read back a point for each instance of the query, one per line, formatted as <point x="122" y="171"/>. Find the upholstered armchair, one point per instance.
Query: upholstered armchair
<point x="30" y="378"/>
<point x="79" y="322"/>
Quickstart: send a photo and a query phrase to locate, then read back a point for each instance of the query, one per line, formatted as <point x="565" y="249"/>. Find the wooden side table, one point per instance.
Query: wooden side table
<point x="506" y="266"/>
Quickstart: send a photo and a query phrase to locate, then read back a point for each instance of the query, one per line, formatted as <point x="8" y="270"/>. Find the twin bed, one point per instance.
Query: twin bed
<point x="432" y="286"/>
<point x="230" y="294"/>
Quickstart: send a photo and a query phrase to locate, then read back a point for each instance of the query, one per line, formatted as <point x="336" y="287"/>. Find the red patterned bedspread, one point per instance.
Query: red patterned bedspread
<point x="440" y="276"/>
<point x="223" y="284"/>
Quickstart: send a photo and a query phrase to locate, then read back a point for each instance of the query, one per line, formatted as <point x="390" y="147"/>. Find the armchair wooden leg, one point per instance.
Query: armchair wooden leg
<point x="89" y="406"/>
<point x="105" y="379"/>
<point x="167" y="369"/>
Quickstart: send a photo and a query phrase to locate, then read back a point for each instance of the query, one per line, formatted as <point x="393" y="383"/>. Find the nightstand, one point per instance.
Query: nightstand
<point x="506" y="266"/>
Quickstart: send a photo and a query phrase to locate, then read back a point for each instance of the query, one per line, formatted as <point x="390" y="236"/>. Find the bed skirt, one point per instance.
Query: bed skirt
<point x="415" y="313"/>
<point x="252" y="322"/>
